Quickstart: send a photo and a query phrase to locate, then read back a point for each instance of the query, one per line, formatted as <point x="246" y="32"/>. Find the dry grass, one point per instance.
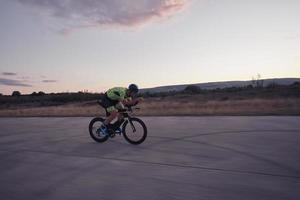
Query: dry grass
<point x="68" y="110"/>
<point x="231" y="107"/>
<point x="156" y="107"/>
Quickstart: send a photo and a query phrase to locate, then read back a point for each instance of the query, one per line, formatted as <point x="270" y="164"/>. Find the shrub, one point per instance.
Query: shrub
<point x="192" y="89"/>
<point x="33" y="94"/>
<point x="41" y="93"/>
<point x="16" y="94"/>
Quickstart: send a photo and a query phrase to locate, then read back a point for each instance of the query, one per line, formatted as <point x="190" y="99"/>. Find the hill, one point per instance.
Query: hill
<point x="221" y="85"/>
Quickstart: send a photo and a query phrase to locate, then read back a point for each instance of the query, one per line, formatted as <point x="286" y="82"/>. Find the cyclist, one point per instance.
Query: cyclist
<point x="114" y="99"/>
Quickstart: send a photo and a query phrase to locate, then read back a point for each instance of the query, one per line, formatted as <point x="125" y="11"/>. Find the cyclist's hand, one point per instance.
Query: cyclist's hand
<point x="137" y="100"/>
<point x="140" y="99"/>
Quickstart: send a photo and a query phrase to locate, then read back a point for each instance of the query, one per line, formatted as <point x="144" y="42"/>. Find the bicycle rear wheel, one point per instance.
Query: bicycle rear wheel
<point x="94" y="129"/>
<point x="134" y="131"/>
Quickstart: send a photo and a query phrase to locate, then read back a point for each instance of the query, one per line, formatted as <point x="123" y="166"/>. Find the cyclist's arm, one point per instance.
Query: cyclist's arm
<point x="120" y="105"/>
<point x="131" y="102"/>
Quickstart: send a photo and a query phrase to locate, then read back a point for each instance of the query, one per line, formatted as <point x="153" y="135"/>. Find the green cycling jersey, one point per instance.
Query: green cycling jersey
<point x="117" y="93"/>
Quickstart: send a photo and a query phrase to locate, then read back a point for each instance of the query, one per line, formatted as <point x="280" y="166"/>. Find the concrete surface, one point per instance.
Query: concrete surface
<point x="234" y="158"/>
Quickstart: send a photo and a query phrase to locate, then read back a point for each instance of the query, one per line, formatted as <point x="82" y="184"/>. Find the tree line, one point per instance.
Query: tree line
<point x="42" y="98"/>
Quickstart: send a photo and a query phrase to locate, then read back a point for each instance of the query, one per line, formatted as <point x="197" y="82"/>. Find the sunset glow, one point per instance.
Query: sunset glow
<point x="70" y="46"/>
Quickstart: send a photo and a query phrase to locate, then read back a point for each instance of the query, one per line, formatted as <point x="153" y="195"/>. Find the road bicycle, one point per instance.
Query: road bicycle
<point x="133" y="129"/>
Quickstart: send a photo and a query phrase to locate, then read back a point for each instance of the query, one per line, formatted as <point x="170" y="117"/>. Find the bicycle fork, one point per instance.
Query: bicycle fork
<point x="132" y="126"/>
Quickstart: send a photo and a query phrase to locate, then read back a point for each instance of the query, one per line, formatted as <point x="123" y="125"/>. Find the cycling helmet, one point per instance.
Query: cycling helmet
<point x="133" y="88"/>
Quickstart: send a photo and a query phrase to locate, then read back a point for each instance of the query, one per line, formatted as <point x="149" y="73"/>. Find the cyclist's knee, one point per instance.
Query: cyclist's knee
<point x="120" y="117"/>
<point x="114" y="113"/>
<point x="111" y="117"/>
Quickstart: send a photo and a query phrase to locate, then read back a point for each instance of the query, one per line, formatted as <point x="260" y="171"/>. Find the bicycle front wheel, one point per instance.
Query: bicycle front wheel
<point x="134" y="131"/>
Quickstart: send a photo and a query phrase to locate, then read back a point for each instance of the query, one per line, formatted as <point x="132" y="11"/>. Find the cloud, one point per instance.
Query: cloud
<point x="12" y="82"/>
<point x="25" y="78"/>
<point x="49" y="81"/>
<point x="93" y="13"/>
<point x="9" y="73"/>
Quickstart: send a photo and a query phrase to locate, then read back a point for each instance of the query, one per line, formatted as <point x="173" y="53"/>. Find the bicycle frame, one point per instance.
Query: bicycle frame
<point x="124" y="112"/>
<point x="127" y="117"/>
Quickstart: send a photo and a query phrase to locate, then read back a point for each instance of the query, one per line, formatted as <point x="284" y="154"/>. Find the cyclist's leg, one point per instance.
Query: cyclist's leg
<point x="113" y="110"/>
<point x="106" y="128"/>
<point x="120" y="117"/>
<point x="119" y="122"/>
<point x="113" y="113"/>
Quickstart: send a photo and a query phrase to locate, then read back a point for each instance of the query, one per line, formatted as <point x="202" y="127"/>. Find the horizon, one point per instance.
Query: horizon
<point x="154" y="87"/>
<point x="56" y="46"/>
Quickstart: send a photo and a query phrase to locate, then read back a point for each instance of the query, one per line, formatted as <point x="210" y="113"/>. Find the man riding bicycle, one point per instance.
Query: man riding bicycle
<point x="115" y="99"/>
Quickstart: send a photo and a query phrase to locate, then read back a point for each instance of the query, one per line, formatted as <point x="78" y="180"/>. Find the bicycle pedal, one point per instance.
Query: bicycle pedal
<point x="112" y="135"/>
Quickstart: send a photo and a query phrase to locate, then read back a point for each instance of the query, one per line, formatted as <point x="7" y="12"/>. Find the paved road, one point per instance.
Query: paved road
<point x="190" y="158"/>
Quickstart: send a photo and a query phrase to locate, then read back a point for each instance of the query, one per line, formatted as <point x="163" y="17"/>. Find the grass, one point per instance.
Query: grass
<point x="230" y="107"/>
<point x="168" y="107"/>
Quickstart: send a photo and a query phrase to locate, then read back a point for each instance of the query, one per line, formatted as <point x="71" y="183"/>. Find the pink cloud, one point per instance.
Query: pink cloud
<point x="92" y="13"/>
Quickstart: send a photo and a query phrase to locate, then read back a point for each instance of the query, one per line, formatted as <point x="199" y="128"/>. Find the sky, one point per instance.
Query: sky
<point x="93" y="45"/>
